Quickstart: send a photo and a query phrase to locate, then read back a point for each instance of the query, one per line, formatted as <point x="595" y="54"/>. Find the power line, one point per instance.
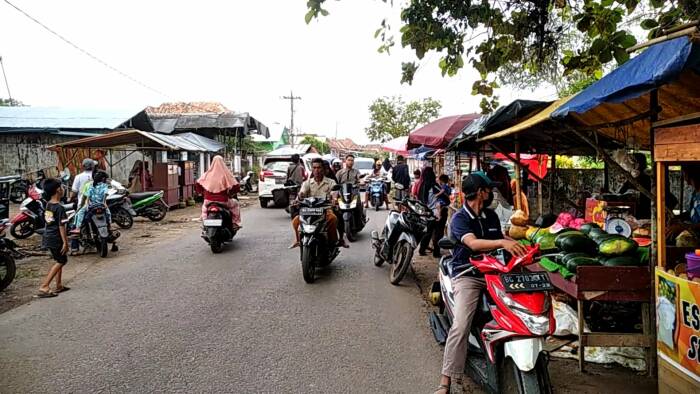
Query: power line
<point x="2" y="65"/>
<point x="85" y="52"/>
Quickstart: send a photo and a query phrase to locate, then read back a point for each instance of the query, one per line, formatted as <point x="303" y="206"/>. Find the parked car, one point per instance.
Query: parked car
<point x="364" y="165"/>
<point x="272" y="176"/>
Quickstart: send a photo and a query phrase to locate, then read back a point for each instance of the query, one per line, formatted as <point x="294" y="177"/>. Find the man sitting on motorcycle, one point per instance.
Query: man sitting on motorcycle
<point x="219" y="185"/>
<point x="94" y="197"/>
<point x="478" y="230"/>
<point x="378" y="172"/>
<point x="321" y="187"/>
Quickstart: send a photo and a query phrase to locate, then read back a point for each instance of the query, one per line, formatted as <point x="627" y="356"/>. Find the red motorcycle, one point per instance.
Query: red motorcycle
<point x="506" y="351"/>
<point x="30" y="218"/>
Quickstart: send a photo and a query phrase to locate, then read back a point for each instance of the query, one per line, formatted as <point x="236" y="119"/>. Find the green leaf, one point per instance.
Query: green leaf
<point x="309" y="16"/>
<point x="628" y="41"/>
<point x="324" y="12"/>
<point x="598" y="74"/>
<point x="597" y="46"/>
<point x="605" y="56"/>
<point x="648" y="24"/>
<point x="621" y="55"/>
<point x="657" y="3"/>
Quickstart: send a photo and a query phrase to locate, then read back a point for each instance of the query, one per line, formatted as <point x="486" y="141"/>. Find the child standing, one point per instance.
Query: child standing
<point x="55" y="238"/>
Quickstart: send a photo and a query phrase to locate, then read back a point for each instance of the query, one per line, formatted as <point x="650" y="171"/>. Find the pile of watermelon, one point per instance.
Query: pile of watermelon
<point x="589" y="245"/>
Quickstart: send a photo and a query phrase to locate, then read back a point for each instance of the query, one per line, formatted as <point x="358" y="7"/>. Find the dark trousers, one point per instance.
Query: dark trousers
<point x="436" y="230"/>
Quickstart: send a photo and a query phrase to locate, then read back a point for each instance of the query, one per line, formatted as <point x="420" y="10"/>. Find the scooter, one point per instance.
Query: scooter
<point x="400" y="237"/>
<point x="247" y="184"/>
<point x="506" y="343"/>
<point x="218" y="226"/>
<point x="351" y="210"/>
<point x="120" y="206"/>
<point x="376" y="192"/>
<point x="95" y="231"/>
<point x="8" y="253"/>
<point x="149" y="204"/>
<point x="315" y="249"/>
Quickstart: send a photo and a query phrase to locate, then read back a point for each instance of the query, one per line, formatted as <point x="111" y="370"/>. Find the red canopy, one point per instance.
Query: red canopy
<point x="535" y="163"/>
<point x="439" y="133"/>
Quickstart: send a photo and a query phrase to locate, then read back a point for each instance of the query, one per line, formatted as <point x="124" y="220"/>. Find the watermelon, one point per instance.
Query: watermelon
<point x="587" y="227"/>
<point x="596" y="232"/>
<point x="576" y="243"/>
<point x="580" y="261"/>
<point x="620" y="261"/>
<point x="546" y="241"/>
<point x="562" y="235"/>
<point x="569" y="256"/>
<point x="617" y="246"/>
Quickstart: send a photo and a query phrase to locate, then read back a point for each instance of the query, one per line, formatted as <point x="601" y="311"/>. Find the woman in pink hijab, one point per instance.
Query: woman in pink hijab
<point x="218" y="184"/>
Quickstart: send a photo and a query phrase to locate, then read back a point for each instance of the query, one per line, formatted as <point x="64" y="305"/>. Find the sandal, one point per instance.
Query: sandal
<point x="45" y="294"/>
<point x="62" y="289"/>
<point x="443" y="389"/>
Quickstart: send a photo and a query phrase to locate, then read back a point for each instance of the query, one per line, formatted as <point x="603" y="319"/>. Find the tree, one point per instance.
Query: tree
<point x="523" y="43"/>
<point x="10" y="103"/>
<point x="321" y="146"/>
<point x="391" y="117"/>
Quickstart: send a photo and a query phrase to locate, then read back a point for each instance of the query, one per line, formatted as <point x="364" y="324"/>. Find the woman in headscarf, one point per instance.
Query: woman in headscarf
<point x="135" y="183"/>
<point x="428" y="187"/>
<point x="218" y="184"/>
<point x="502" y="196"/>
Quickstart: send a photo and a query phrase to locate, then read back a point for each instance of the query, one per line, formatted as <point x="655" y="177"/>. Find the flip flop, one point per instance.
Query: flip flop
<point x="64" y="288"/>
<point x="45" y="294"/>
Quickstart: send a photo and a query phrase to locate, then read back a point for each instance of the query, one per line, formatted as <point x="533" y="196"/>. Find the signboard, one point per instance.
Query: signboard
<point x="678" y="322"/>
<point x="450" y="163"/>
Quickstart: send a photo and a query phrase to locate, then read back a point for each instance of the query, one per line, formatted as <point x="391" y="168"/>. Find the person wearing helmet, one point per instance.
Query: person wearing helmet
<point x="82" y="179"/>
<point x="337" y="165"/>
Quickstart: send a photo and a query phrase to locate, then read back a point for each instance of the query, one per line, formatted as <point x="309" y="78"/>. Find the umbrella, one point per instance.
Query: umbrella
<point x="397" y="145"/>
<point x="439" y="133"/>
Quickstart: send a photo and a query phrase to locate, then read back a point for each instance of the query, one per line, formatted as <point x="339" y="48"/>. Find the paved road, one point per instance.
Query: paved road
<point x="182" y="319"/>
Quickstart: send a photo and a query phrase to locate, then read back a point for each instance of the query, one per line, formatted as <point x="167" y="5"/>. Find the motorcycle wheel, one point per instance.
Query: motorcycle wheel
<point x="123" y="218"/>
<point x="22" y="230"/>
<point x="513" y="380"/>
<point x="378" y="260"/>
<point x="402" y="256"/>
<point x="216" y="245"/>
<point x="162" y="211"/>
<point x="103" y="247"/>
<point x="7" y="270"/>
<point x="18" y="194"/>
<point x="348" y="232"/>
<point x="307" y="265"/>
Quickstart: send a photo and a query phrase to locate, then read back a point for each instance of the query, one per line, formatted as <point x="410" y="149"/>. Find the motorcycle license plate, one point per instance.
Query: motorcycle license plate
<point x="311" y="211"/>
<point x="213" y="222"/>
<point x="526" y="282"/>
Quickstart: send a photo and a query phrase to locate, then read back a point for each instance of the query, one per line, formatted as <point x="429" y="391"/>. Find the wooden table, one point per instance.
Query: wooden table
<point x="597" y="283"/>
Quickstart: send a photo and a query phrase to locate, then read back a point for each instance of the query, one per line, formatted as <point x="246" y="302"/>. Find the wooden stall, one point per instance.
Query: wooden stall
<point x="677" y="294"/>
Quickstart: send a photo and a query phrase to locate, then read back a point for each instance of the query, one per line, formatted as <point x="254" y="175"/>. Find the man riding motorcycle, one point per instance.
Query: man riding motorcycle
<point x="478" y="230"/>
<point x="378" y="171"/>
<point x="318" y="186"/>
<point x="295" y="171"/>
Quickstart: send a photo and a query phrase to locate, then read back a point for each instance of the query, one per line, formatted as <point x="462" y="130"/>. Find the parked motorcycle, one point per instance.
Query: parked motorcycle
<point x="400" y="237"/>
<point x="8" y="253"/>
<point x="351" y="210"/>
<point x="95" y="231"/>
<point x="30" y="218"/>
<point x="149" y="204"/>
<point x="506" y="352"/>
<point x="315" y="249"/>
<point x="376" y="191"/>
<point x="218" y="227"/>
<point x="119" y="205"/>
<point x="247" y="184"/>
<point x="19" y="189"/>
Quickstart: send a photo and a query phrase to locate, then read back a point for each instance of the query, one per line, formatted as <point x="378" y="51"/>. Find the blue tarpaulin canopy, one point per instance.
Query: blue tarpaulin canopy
<point x="617" y="104"/>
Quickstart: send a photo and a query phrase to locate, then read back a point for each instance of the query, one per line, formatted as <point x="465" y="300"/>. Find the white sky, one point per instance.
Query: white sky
<point x="244" y="54"/>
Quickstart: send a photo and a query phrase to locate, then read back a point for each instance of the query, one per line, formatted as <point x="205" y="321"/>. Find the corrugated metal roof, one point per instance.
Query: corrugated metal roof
<point x="63" y="118"/>
<point x="145" y="140"/>
<point x="169" y="124"/>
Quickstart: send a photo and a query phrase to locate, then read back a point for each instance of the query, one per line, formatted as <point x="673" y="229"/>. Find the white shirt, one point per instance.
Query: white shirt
<point x="79" y="181"/>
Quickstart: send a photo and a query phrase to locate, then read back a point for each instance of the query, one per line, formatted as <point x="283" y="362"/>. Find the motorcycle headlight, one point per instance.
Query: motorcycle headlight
<point x="537" y="324"/>
<point x="308" y="228"/>
<point x="353" y="204"/>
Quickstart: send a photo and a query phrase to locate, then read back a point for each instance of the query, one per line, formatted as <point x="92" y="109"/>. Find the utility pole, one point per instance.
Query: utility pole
<point x="291" y="99"/>
<point x="2" y="65"/>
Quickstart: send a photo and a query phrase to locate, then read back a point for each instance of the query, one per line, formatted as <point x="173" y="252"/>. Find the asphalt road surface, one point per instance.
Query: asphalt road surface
<point x="179" y="318"/>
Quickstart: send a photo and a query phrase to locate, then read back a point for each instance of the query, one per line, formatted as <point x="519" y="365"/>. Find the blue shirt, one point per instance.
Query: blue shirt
<point x="465" y="221"/>
<point x="695" y="208"/>
<point x="444" y="198"/>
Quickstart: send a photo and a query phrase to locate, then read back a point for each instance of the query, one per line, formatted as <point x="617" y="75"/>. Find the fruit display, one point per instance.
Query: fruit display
<point x="517" y="232"/>
<point x="570" y="248"/>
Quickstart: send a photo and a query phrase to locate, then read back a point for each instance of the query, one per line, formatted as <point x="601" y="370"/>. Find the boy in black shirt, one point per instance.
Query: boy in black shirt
<point x="55" y="238"/>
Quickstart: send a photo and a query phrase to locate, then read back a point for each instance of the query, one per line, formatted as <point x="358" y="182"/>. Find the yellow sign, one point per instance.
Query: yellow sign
<point x="678" y="322"/>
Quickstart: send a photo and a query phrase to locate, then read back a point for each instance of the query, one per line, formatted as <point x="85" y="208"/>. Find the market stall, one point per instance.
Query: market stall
<point x="678" y="265"/>
<point x="152" y="161"/>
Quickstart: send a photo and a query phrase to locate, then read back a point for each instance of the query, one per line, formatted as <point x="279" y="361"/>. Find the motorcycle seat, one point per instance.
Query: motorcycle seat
<point x="142" y="195"/>
<point x="9" y="178"/>
<point x="218" y="204"/>
<point x="68" y="207"/>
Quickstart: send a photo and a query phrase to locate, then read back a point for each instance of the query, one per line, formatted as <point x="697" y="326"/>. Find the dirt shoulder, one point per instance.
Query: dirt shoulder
<point x="144" y="234"/>
<point x="564" y="373"/>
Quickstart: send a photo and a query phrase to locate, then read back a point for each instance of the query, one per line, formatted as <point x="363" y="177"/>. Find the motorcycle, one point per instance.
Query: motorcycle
<point x="30" y="218"/>
<point x="95" y="231"/>
<point x="400" y="237"/>
<point x="8" y="253"/>
<point x="506" y="352"/>
<point x="376" y="192"/>
<point x="18" y="189"/>
<point x="247" y="184"/>
<point x="315" y="249"/>
<point x="120" y="206"/>
<point x="218" y="226"/>
<point x="351" y="210"/>
<point x="149" y="204"/>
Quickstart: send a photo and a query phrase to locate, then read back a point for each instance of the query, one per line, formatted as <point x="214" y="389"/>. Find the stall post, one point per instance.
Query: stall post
<point x="517" y="173"/>
<point x="552" y="176"/>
